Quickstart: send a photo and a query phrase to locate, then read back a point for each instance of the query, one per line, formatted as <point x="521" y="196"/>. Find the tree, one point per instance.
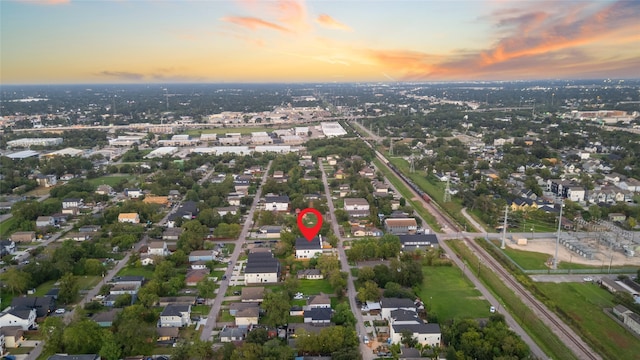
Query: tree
<point x="206" y="288"/>
<point x="93" y="267"/>
<point x="407" y="338"/>
<point x="366" y="273"/>
<point x="16" y="280"/>
<point x="83" y="337"/>
<point x="135" y="330"/>
<point x="248" y="351"/>
<point x="69" y="289"/>
<point x="276" y="307"/>
<point x="369" y="291"/>
<point x="344" y="315"/>
<point x="52" y="329"/>
<point x="257" y="336"/>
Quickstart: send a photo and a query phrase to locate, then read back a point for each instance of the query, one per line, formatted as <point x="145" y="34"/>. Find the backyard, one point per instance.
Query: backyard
<point x="314" y="287"/>
<point x="111" y="180"/>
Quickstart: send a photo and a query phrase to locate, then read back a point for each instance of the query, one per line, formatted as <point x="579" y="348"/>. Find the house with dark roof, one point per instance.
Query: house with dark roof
<point x="399" y="226"/>
<point x="310" y="274"/>
<point x="276" y="203"/>
<point x="419" y="241"/>
<point x="270" y="231"/>
<point x="318" y="316"/>
<point x="229" y="333"/>
<point x="308" y="249"/>
<point x="187" y="210"/>
<point x="390" y="304"/>
<point x="43" y="305"/>
<point x="236" y="307"/>
<point x="426" y="333"/>
<point x="261" y="268"/>
<point x="175" y="316"/>
<point x="167" y="335"/>
<point x="318" y="302"/>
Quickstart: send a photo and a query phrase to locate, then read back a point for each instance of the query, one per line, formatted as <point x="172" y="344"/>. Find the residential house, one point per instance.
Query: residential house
<point x="306" y="249"/>
<point x="124" y="289"/>
<point x="230" y="334"/>
<point x="310" y="274"/>
<point x="344" y="190"/>
<point x="359" y="231"/>
<point x="234" y="200"/>
<point x="71" y="205"/>
<point x="43" y="305"/>
<point x="132" y="218"/>
<point x="174" y="195"/>
<point x="261" y="268"/>
<point x="46" y="180"/>
<point x="193" y="277"/>
<point x="187" y="210"/>
<point x="387" y="305"/>
<point x="318" y="316"/>
<point x="576" y="193"/>
<point x="7" y="247"/>
<point x="198" y="265"/>
<point x="13" y="336"/>
<point x="380" y="187"/>
<point x="167" y="335"/>
<point x="270" y="231"/>
<point x="234" y="307"/>
<point x="175" y="316"/>
<point x="367" y="172"/>
<point x="201" y="255"/>
<point x="222" y="211"/>
<point x="276" y="203"/>
<point x="25" y="236"/>
<point x="172" y="234"/>
<point x="106" y="318"/>
<point x="176" y="300"/>
<point x="44" y="221"/>
<point x="424" y="333"/>
<point x="128" y="279"/>
<point x="133" y="193"/>
<point x="617" y="217"/>
<point x="159" y="200"/>
<point x="104" y="189"/>
<point x="630" y="184"/>
<point x="248" y="316"/>
<point x="158" y="248"/>
<point x="339" y="174"/>
<point x="400" y="226"/>
<point x="318" y="302"/>
<point x="78" y="236"/>
<point x="252" y="294"/>
<point x="419" y="241"/>
<point x="23" y="317"/>
<point x="356" y="207"/>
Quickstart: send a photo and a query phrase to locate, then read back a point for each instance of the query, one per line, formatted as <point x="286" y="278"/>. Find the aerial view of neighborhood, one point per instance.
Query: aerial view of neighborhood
<point x="319" y="180"/>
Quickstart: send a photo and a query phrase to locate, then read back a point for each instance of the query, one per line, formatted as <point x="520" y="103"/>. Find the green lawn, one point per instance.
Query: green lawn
<point x="7" y="226"/>
<point x="146" y="271"/>
<point x="583" y="303"/>
<point x="314" y="287"/>
<point x="231" y="289"/>
<point x="451" y="295"/>
<point x="528" y="260"/>
<point x="202" y="310"/>
<point x="225" y="316"/>
<point x="110" y="180"/>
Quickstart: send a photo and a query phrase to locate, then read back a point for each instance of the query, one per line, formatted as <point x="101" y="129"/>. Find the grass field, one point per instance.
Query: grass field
<point x="538" y="331"/>
<point x="224" y="316"/>
<point x="110" y="180"/>
<point x="6" y="226"/>
<point x="584" y="303"/>
<point x="146" y="271"/>
<point x="451" y="295"/>
<point x="314" y="287"/>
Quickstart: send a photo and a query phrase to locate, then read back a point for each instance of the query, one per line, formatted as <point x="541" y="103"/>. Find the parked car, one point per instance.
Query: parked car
<point x="60" y="311"/>
<point x="492" y="309"/>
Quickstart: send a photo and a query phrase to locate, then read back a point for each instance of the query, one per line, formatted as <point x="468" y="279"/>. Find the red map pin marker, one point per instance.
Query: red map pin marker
<point x="309" y="233"/>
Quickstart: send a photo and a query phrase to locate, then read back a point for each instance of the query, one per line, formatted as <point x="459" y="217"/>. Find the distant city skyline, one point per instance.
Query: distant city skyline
<point x="145" y="41"/>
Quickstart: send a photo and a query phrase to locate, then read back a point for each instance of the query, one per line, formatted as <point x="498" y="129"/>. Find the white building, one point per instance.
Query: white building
<point x="332" y="129"/>
<point x="308" y="249"/>
<point x="27" y="142"/>
<point x="175" y="316"/>
<point x="23" y="317"/>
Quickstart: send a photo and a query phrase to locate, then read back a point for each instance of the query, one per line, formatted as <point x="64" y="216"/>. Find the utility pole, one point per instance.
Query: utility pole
<point x="412" y="167"/>
<point x="447" y="192"/>
<point x="391" y="146"/>
<point x="555" y="259"/>
<point x="504" y="227"/>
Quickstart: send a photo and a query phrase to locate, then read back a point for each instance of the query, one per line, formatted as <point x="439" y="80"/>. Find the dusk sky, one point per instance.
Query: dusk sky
<point x="141" y="41"/>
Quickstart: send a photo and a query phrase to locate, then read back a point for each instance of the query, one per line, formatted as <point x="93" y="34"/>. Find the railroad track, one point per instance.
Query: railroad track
<point x="581" y="351"/>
